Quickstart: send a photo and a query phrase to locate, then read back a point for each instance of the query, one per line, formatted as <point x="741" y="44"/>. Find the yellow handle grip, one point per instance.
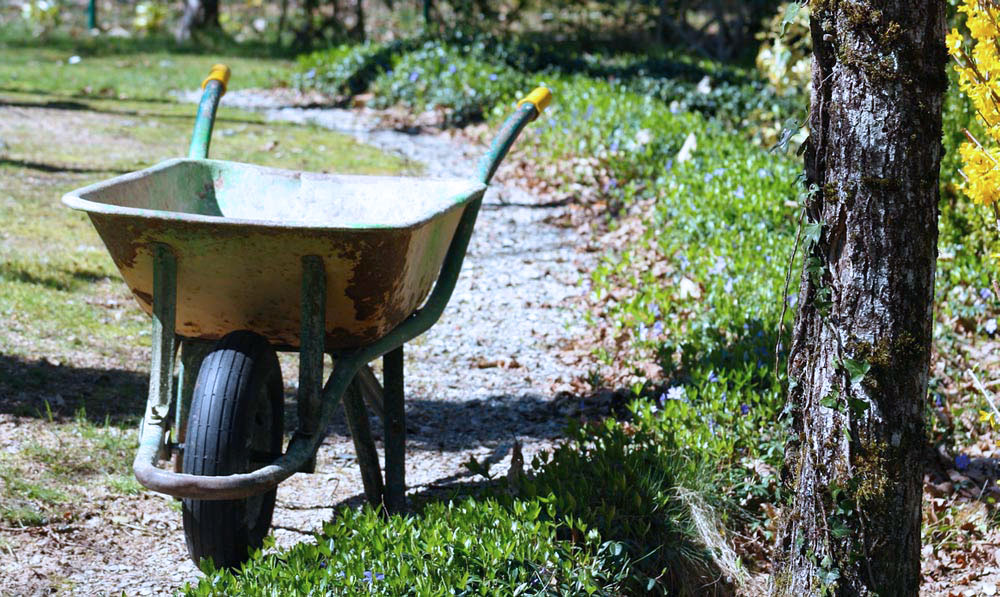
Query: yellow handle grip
<point x="220" y="73"/>
<point x="540" y="98"/>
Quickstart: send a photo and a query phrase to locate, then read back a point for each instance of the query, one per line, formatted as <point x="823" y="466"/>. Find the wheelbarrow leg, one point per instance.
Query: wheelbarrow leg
<point x="164" y="314"/>
<point x="395" y="431"/>
<point x="364" y="445"/>
<point x="311" y="350"/>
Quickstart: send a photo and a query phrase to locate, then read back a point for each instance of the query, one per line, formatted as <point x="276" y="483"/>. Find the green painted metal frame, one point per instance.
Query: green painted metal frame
<point x="201" y="138"/>
<point x="316" y="405"/>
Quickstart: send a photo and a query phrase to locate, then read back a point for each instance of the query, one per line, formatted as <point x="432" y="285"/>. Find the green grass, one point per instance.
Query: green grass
<point x="146" y="69"/>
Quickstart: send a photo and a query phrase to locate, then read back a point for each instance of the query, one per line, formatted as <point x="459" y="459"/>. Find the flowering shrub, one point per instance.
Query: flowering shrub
<point x="978" y="70"/>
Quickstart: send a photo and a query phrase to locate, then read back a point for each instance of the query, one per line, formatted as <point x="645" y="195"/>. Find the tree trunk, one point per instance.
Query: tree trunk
<point x="860" y="351"/>
<point x="358" y="31"/>
<point x="198" y="14"/>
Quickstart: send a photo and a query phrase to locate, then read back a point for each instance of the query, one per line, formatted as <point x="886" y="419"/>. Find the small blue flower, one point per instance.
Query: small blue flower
<point x="614" y="145"/>
<point x="985" y="294"/>
<point x="718" y="266"/>
<point x="414" y="76"/>
<point x="962" y="462"/>
<point x="658" y="328"/>
<point x="937" y="401"/>
<point x="683" y="261"/>
<point x="322" y="564"/>
<point x="493" y="77"/>
<point x="990" y="327"/>
<point x="452" y="69"/>
<point x="676" y="393"/>
<point x="669" y="164"/>
<point x="712" y="377"/>
<point x="377" y="576"/>
<point x="718" y="172"/>
<point x="611" y="184"/>
<point x="745" y="409"/>
<point x="739" y="194"/>
<point x="708" y="176"/>
<point x="590" y="112"/>
<point x="311" y="73"/>
<point x="729" y="285"/>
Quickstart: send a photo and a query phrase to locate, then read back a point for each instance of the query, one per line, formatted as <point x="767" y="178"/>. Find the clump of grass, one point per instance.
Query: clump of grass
<point x="27" y="501"/>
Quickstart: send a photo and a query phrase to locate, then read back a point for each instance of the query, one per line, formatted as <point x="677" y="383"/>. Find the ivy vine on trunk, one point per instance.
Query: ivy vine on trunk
<point x="860" y="350"/>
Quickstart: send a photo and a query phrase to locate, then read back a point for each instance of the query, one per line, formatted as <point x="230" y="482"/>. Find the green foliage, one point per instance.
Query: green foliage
<point x="468" y="548"/>
<point x="626" y="481"/>
<point x="475" y="77"/>
<point x="451" y="77"/>
<point x="347" y="68"/>
<point x="700" y="287"/>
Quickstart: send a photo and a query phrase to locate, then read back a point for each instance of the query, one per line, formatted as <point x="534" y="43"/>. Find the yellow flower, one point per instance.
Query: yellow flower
<point x="987" y="417"/>
<point x="978" y="76"/>
<point x="955" y="40"/>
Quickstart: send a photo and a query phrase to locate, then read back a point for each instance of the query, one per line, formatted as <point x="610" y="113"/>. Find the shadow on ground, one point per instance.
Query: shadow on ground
<point x="44" y="389"/>
<point x="452" y="426"/>
<point x="83" y="106"/>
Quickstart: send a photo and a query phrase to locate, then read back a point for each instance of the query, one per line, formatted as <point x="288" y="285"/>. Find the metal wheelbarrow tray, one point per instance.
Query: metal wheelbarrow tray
<point x="239" y="232"/>
<point x="235" y="262"/>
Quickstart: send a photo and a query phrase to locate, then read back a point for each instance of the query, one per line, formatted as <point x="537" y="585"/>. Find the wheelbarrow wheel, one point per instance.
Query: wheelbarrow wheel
<point x="235" y="426"/>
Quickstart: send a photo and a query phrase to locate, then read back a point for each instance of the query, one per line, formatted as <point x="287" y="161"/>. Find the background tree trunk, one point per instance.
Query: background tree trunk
<point x="198" y="14"/>
<point x="861" y="343"/>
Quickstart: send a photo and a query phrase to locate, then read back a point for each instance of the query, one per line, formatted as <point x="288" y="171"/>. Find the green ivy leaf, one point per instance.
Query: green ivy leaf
<point x="858" y="406"/>
<point x="856" y="369"/>
<point x="791" y="11"/>
<point x="812" y="231"/>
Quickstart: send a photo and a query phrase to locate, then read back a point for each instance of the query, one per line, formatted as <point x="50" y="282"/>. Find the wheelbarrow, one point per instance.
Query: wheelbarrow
<point x="236" y="262"/>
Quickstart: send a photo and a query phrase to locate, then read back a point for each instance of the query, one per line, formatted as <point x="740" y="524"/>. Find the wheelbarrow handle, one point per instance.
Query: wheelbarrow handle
<point x="215" y="87"/>
<point x="527" y="110"/>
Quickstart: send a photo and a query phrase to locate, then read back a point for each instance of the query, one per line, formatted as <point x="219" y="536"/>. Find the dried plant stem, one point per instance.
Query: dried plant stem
<point x="982" y="390"/>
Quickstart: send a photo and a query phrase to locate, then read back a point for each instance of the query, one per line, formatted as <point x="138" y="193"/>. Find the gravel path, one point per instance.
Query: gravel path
<point x="484" y="376"/>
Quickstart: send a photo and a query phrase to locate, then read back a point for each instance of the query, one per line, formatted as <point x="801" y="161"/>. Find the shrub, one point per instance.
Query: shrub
<point x="437" y="76"/>
<point x="632" y="483"/>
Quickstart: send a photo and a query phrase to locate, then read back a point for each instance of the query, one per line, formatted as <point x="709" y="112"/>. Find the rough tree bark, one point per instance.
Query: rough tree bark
<point x="861" y="343"/>
<point x="198" y="14"/>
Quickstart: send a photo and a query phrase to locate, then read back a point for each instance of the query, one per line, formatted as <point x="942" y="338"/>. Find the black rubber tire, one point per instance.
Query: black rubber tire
<point x="235" y="425"/>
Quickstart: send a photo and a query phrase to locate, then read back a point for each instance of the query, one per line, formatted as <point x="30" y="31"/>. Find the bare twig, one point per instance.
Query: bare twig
<point x="784" y="294"/>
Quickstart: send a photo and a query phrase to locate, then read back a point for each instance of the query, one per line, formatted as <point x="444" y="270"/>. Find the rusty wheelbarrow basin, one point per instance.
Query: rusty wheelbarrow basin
<point x="239" y="233"/>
